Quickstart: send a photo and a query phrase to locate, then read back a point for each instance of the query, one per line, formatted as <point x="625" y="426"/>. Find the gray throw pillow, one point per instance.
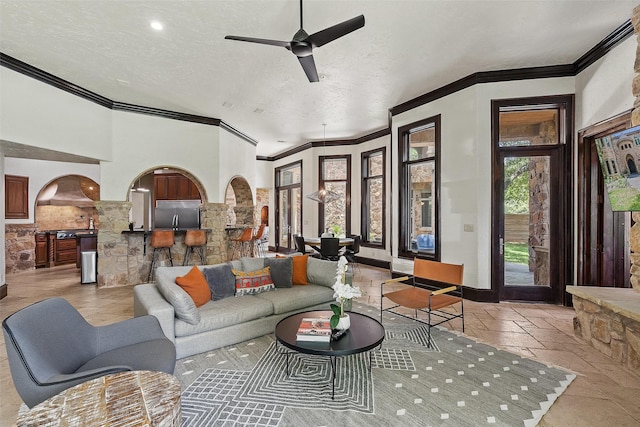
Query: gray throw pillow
<point x="221" y="281"/>
<point x="321" y="272"/>
<point x="183" y="306"/>
<point x="252" y="264"/>
<point x="281" y="271"/>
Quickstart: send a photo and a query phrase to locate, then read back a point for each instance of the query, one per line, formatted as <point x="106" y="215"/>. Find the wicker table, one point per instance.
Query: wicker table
<point x="140" y="398"/>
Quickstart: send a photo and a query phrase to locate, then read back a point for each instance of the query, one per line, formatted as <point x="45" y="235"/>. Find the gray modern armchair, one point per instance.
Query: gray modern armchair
<point x="51" y="347"/>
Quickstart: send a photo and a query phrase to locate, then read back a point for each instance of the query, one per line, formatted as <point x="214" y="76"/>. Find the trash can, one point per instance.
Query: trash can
<point x="88" y="267"/>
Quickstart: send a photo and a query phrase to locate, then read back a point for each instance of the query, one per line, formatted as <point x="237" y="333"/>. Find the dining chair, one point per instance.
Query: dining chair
<point x="300" y="245"/>
<point x="330" y="248"/>
<point x="352" y="250"/>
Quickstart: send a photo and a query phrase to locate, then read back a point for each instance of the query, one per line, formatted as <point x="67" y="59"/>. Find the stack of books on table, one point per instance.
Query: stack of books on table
<point x="314" y="329"/>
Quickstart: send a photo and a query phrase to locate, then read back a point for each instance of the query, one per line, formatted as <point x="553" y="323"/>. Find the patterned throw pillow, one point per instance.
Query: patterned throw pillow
<point x="253" y="282"/>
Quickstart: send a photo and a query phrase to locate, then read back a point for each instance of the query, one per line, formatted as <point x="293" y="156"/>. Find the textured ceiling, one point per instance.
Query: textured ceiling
<point x="407" y="48"/>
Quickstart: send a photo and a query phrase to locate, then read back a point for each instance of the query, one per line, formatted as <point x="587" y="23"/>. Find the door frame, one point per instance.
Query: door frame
<point x="564" y="217"/>
<point x="587" y="266"/>
<point x="289" y="188"/>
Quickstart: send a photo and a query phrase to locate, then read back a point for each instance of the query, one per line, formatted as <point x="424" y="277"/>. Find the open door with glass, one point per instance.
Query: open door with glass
<point x="530" y="214"/>
<point x="289" y="206"/>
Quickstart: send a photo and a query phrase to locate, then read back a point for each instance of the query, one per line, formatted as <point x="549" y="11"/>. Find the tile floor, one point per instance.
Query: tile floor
<point x="604" y="393"/>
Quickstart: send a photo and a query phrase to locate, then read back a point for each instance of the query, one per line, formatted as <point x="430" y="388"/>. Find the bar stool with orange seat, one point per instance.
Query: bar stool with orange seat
<point x="242" y="243"/>
<point x="256" y="241"/>
<point x="196" y="242"/>
<point x="161" y="241"/>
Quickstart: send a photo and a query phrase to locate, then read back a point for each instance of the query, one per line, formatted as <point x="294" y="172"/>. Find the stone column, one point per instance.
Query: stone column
<point x="214" y="217"/>
<point x="113" y="253"/>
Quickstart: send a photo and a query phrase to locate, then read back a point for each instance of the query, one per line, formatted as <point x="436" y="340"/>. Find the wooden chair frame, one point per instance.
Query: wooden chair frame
<point x="428" y="298"/>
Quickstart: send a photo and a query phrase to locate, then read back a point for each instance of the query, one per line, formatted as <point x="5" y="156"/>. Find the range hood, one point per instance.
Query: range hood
<point x="65" y="191"/>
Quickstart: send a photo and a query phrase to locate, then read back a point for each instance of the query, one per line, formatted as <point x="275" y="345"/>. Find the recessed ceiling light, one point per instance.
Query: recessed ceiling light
<point x="157" y="25"/>
<point x="123" y="83"/>
<point x="258" y="111"/>
<point x="227" y="104"/>
<point x="282" y="141"/>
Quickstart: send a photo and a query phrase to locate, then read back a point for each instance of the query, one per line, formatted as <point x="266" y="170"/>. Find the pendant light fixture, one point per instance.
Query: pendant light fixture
<point x="323" y="195"/>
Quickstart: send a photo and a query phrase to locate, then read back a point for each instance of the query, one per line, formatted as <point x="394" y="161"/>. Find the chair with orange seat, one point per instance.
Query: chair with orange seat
<point x="429" y="297"/>
<point x="256" y="241"/>
<point x="242" y="243"/>
<point x="161" y="240"/>
<point x="196" y="242"/>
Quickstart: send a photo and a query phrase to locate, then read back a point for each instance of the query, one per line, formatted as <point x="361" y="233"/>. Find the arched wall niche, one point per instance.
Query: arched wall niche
<point x="238" y="197"/>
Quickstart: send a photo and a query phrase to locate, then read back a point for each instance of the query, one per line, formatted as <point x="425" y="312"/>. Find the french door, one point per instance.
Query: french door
<point x="528" y="267"/>
<point x="531" y="220"/>
<point x="289" y="206"/>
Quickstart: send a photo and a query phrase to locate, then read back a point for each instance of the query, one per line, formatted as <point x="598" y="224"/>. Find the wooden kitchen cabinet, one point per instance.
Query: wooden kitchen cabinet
<point x="65" y="251"/>
<point x="16" y="197"/>
<point x="174" y="187"/>
<point x="42" y="250"/>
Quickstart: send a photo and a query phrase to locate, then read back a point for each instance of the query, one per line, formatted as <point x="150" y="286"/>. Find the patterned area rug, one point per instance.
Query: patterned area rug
<point x="459" y="382"/>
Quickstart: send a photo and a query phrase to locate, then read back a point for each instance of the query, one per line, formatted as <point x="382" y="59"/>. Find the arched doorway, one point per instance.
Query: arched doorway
<point x="162" y="187"/>
<point x="633" y="170"/>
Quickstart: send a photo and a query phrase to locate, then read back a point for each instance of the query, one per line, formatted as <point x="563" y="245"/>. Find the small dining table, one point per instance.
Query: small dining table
<point x="314" y="242"/>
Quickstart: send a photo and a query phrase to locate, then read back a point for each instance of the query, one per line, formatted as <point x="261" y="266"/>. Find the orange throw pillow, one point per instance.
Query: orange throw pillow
<point x="299" y="276"/>
<point x="195" y="284"/>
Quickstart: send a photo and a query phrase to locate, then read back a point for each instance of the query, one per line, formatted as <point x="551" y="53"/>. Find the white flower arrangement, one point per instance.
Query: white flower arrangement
<point x="342" y="292"/>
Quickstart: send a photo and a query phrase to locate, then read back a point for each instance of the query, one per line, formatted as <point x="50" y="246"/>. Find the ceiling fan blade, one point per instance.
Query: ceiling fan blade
<point x="309" y="67"/>
<point x="329" y="34"/>
<point x="261" y="41"/>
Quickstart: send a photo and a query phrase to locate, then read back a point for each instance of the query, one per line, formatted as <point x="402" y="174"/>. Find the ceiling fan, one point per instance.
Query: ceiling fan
<point x="303" y="43"/>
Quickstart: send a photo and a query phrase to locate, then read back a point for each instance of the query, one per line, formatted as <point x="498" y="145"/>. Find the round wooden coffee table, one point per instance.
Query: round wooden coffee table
<point x="140" y="398"/>
<point x="364" y="334"/>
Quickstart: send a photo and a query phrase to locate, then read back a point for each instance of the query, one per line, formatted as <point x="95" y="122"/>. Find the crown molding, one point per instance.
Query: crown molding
<point x="55" y="81"/>
<point x="568" y="70"/>
<point x="598" y="51"/>
<point x="44" y="77"/>
<point x="333" y="143"/>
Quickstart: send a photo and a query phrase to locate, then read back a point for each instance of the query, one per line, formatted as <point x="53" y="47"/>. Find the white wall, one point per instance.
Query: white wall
<point x="37" y="114"/>
<point x="604" y="89"/>
<point x="142" y="142"/>
<point x="234" y="157"/>
<point x="41" y="173"/>
<point x="465" y="191"/>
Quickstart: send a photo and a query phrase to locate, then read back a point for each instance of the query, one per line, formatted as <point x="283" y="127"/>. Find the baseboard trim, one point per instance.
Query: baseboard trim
<point x="4" y="289"/>
<point x="374" y="262"/>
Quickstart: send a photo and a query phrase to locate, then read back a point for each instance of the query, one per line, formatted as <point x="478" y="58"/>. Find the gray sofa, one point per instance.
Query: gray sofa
<point x="231" y="319"/>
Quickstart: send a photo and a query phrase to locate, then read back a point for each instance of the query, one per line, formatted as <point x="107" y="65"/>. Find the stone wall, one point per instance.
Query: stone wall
<point x="122" y="258"/>
<point x="20" y="247"/>
<point x="609" y="332"/>
<point x="634" y="232"/>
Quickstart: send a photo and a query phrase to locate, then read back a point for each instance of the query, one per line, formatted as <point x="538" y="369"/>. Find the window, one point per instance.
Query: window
<point x="373" y="198"/>
<point x="419" y="150"/>
<point x="335" y="175"/>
